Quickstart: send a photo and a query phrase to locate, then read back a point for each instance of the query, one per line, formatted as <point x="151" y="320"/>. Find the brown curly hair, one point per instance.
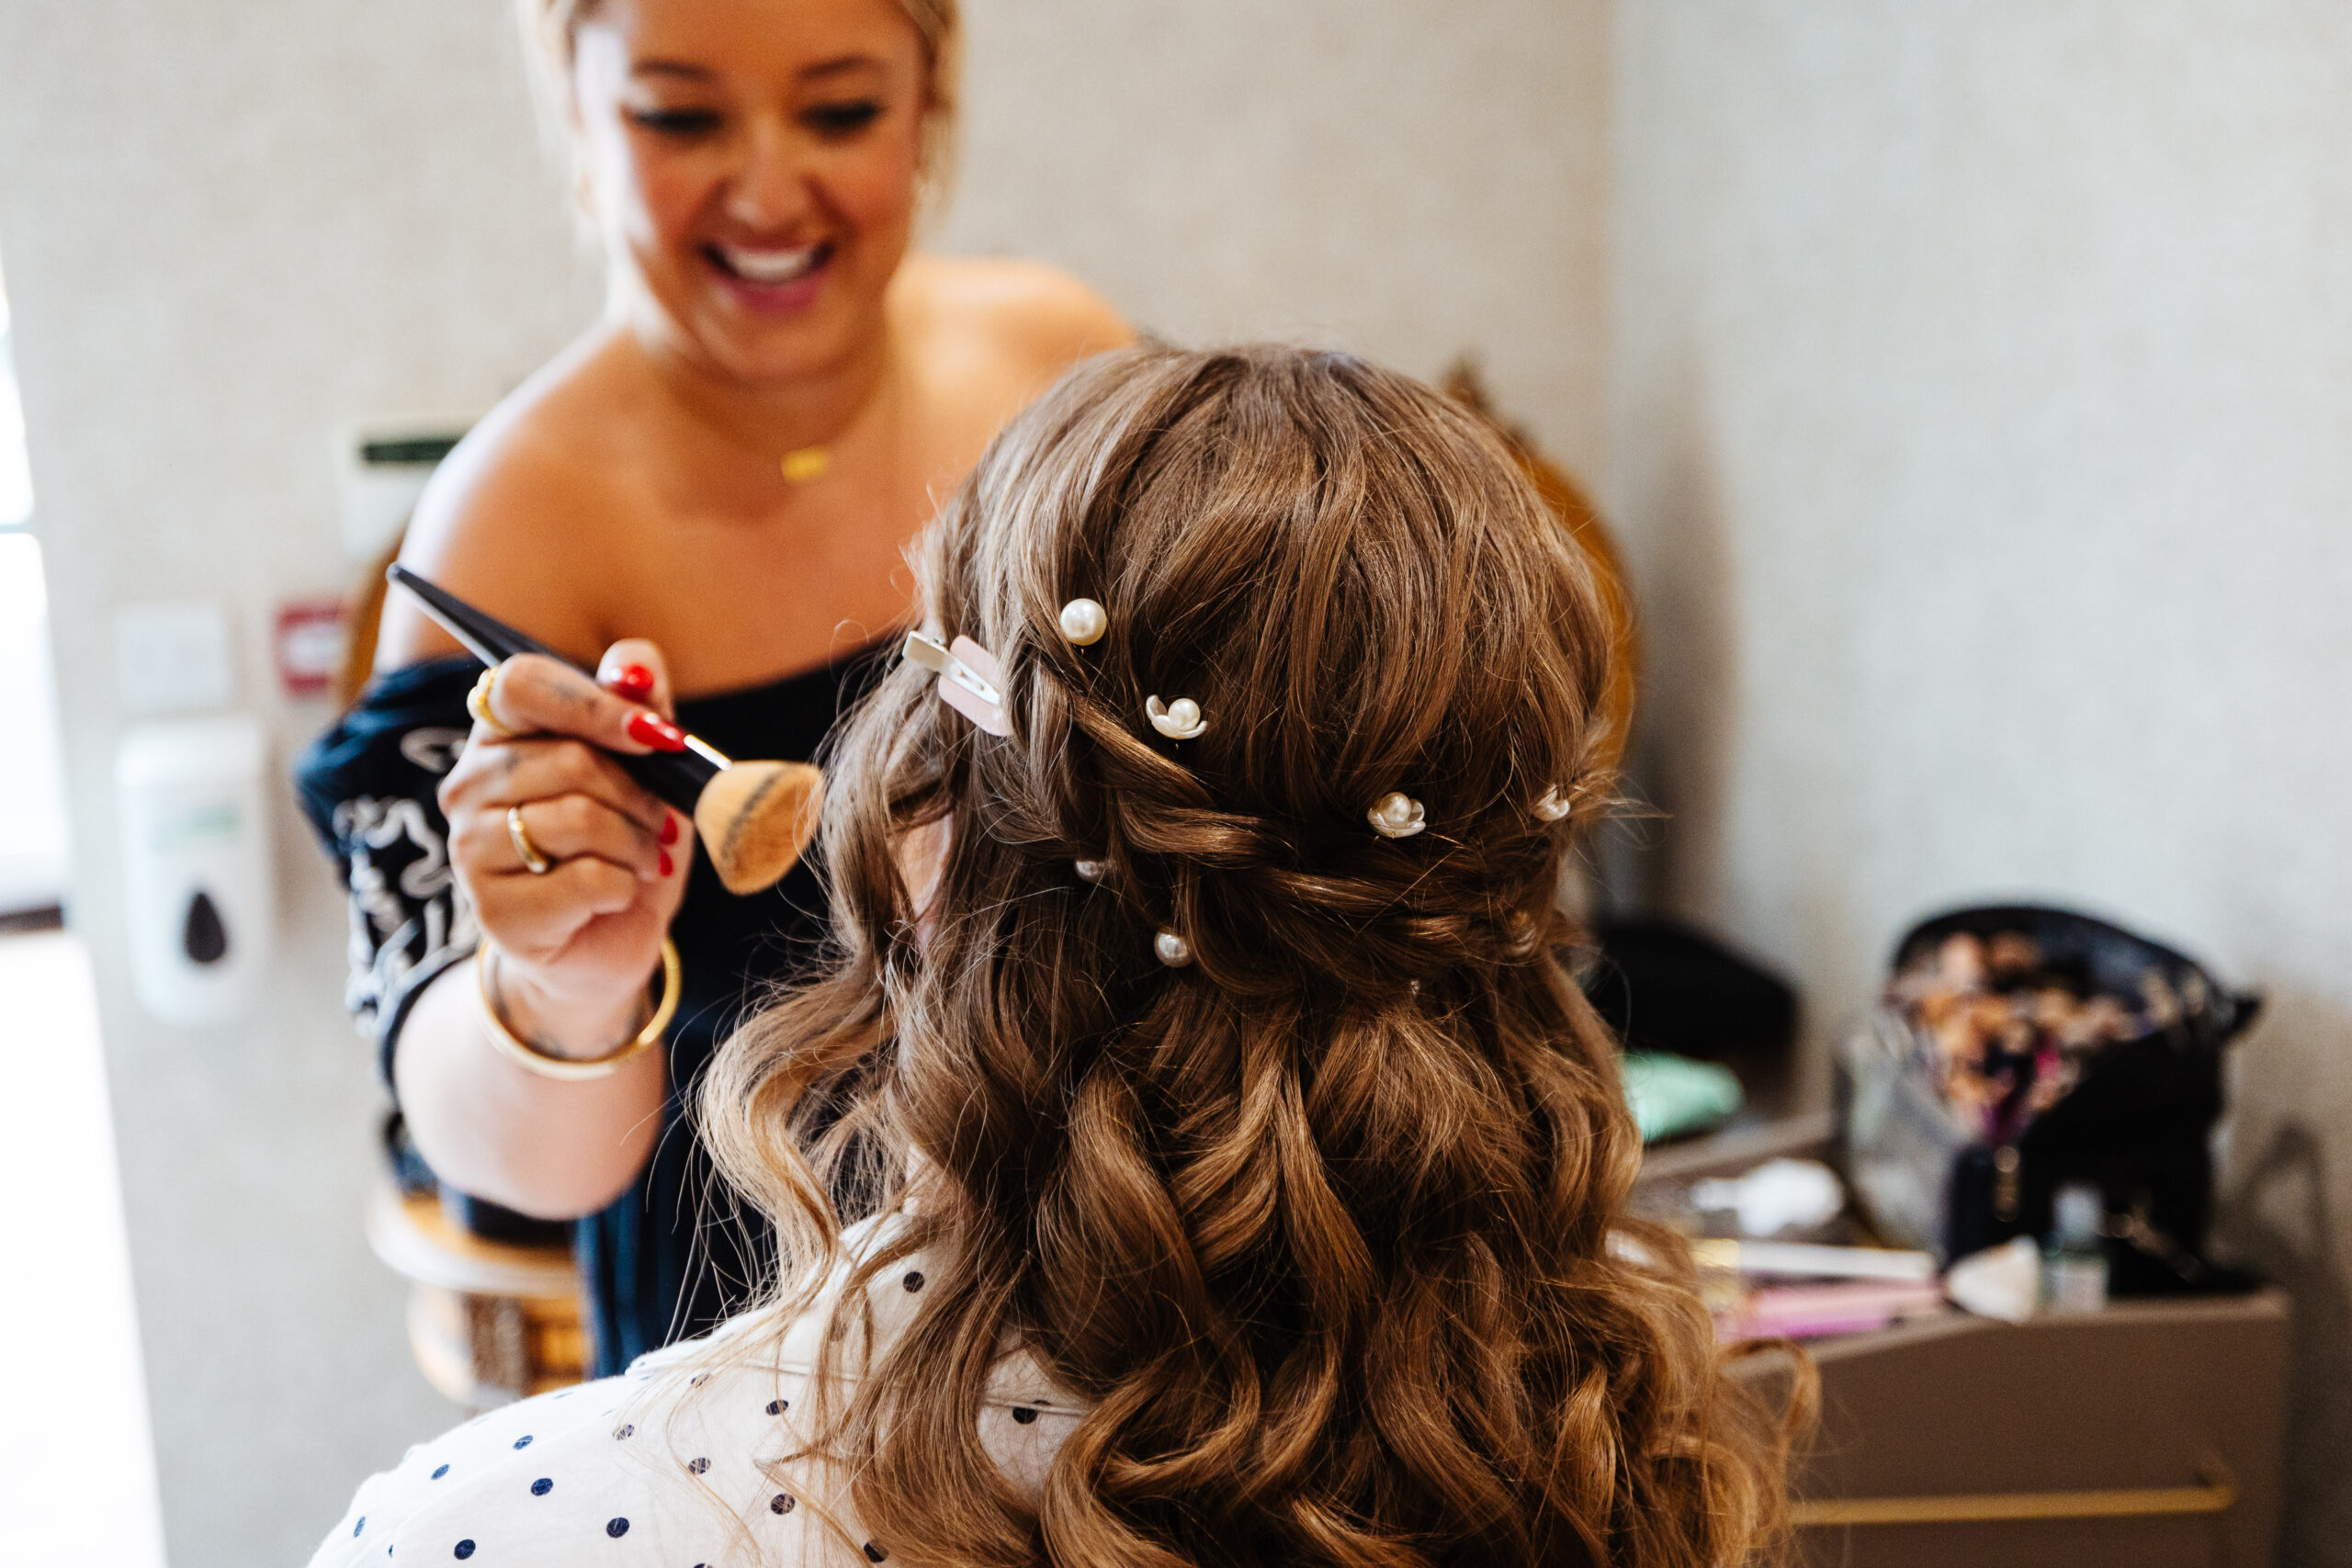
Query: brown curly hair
<point x="1329" y="1225"/>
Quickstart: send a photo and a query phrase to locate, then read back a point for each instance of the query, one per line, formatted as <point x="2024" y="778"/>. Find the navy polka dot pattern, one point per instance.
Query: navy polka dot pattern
<point x="651" y="1470"/>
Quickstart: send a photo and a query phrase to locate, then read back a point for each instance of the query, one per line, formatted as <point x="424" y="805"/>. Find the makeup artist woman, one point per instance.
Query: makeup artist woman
<point x="705" y="496"/>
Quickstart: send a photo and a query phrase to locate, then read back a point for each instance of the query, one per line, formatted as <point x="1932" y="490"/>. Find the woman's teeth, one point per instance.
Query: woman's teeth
<point x="769" y="265"/>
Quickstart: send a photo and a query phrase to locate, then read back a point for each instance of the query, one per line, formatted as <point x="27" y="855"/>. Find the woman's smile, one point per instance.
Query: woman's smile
<point x="769" y="279"/>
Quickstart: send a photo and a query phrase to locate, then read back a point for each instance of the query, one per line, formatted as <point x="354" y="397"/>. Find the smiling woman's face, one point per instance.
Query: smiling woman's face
<point x="753" y="167"/>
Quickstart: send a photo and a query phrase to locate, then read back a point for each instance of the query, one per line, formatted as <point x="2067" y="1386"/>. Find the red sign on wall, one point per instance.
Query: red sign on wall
<point x="308" y="645"/>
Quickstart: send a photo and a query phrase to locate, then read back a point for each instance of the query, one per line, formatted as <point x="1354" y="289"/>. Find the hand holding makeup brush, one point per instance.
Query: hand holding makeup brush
<point x="574" y="869"/>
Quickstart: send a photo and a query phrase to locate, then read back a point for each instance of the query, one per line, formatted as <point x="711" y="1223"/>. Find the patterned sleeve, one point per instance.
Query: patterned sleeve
<point x="367" y="786"/>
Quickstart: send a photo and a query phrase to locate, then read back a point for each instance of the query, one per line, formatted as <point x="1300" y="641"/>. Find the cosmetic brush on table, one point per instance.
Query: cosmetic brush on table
<point x="754" y="817"/>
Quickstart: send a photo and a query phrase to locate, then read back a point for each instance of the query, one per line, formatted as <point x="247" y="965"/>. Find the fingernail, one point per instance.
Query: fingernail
<point x="669" y="828"/>
<point x="634" y="681"/>
<point x="668" y="866"/>
<point x="652" y="730"/>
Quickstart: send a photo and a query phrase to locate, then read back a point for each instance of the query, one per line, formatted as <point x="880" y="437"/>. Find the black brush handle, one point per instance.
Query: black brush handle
<point x="675" y="778"/>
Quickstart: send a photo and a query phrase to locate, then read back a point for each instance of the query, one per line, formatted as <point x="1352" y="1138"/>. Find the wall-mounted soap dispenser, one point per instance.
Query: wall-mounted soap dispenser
<point x="197" y="865"/>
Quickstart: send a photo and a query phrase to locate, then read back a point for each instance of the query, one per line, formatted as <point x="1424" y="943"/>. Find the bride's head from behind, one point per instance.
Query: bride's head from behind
<point x="1319" y="1213"/>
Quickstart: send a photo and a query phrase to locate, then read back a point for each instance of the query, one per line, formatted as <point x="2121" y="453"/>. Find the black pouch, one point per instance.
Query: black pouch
<point x="2136" y="1121"/>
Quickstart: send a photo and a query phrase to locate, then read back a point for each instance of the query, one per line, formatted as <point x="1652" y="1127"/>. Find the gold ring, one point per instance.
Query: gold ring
<point x="478" y="704"/>
<point x="533" y="862"/>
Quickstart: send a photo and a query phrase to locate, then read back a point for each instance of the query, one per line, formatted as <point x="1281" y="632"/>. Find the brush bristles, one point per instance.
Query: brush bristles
<point x="755" y="818"/>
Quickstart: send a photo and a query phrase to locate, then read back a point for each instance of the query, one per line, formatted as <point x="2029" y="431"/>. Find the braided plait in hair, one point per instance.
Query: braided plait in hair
<point x="1322" y="1222"/>
<point x="1208" y="837"/>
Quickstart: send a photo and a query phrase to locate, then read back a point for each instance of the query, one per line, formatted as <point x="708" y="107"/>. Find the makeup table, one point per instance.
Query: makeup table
<point x="2148" y="1434"/>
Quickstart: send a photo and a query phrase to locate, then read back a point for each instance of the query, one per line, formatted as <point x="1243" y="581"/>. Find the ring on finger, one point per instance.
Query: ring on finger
<point x="534" y="863"/>
<point x="478" y="704"/>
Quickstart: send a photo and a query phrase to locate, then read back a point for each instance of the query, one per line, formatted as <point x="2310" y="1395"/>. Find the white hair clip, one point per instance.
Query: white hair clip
<point x="1171" y="950"/>
<point x="1091" y="870"/>
<point x="1084" y="622"/>
<point x="1179" y="720"/>
<point x="969" y="679"/>
<point x="1397" y="816"/>
<point x="1554" y="805"/>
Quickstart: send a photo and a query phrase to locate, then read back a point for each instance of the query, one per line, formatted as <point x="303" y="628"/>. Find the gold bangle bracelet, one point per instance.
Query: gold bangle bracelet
<point x="531" y="1059"/>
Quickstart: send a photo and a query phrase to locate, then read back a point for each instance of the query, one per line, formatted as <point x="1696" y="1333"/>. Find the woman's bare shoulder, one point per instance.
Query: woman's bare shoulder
<point x="513" y="518"/>
<point x="1026" y="312"/>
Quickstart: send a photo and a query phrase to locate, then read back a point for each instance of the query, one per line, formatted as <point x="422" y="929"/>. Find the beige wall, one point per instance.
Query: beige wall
<point x="231" y="224"/>
<point x="1981" y="405"/>
<point x="1412" y="178"/>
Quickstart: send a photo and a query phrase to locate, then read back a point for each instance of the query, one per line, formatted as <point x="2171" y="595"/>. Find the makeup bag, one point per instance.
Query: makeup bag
<point x="2021" y="1047"/>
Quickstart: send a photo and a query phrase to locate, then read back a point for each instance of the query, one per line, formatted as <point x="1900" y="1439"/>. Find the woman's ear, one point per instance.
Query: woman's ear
<point x="575" y="140"/>
<point x="559" y="82"/>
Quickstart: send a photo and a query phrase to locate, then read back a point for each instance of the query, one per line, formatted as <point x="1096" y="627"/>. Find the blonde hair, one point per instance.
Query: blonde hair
<point x="549" y="26"/>
<point x="1329" y="1226"/>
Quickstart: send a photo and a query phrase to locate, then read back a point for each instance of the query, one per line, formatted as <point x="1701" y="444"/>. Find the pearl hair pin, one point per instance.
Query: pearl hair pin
<point x="1171" y="950"/>
<point x="1397" y="816"/>
<point x="1554" y="805"/>
<point x="1091" y="870"/>
<point x="1179" y="720"/>
<point x="1084" y="622"/>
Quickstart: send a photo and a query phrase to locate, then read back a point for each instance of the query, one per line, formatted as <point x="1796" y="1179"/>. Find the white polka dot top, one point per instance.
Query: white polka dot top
<point x="674" y="1463"/>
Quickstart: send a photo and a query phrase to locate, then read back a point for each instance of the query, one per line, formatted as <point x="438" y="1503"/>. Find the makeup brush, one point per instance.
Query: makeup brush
<point x="754" y="817"/>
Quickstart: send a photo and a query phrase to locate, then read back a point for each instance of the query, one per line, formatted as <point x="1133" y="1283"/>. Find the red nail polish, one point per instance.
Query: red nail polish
<point x="667" y="864"/>
<point x="652" y="730"/>
<point x="634" y="681"/>
<point x="669" y="829"/>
